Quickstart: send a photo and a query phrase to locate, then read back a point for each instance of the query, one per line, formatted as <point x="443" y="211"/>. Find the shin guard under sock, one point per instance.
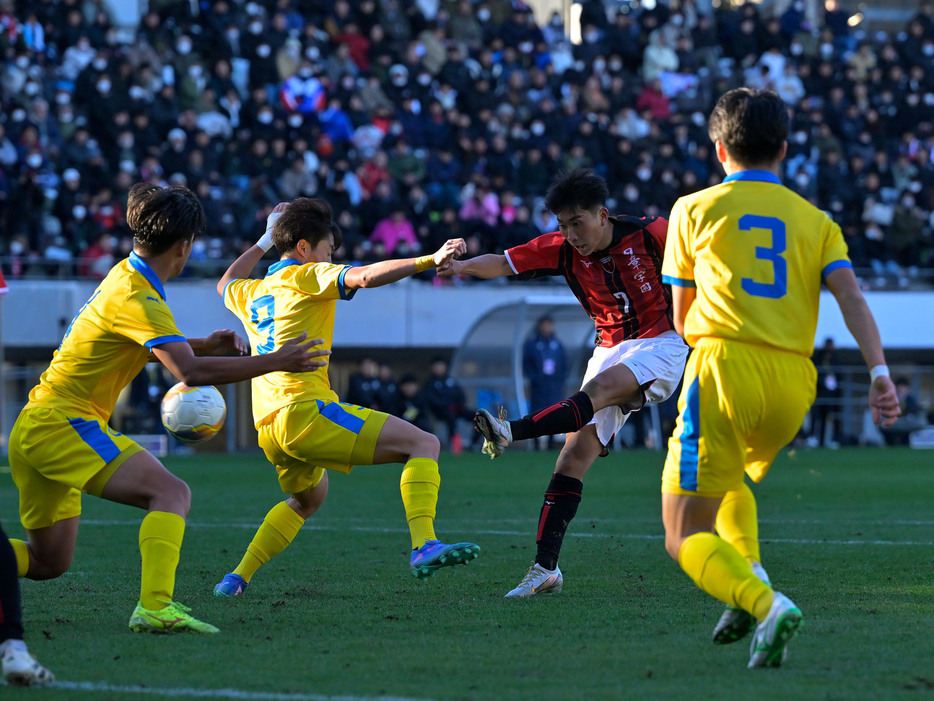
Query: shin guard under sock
<point x="558" y="510"/>
<point x="567" y="416"/>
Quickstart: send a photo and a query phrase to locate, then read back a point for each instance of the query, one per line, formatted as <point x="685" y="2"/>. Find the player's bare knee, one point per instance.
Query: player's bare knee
<point x="616" y="385"/>
<point x="306" y="503"/>
<point x="600" y="391"/>
<point x="426" y="445"/>
<point x="576" y="458"/>
<point x="304" y="508"/>
<point x="572" y="467"/>
<point x="673" y="546"/>
<point x="174" y="495"/>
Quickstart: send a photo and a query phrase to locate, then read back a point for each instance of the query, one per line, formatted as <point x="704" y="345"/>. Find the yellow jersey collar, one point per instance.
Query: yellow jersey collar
<point x="143" y="268"/>
<point x="755" y="175"/>
<point x="279" y="265"/>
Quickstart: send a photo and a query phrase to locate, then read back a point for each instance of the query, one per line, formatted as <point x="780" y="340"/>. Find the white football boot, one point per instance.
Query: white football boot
<point x="538" y="580"/>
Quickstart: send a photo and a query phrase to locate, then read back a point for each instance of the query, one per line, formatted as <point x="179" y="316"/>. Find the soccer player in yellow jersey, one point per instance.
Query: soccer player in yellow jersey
<point x="61" y="444"/>
<point x="303" y="427"/>
<point x="745" y="260"/>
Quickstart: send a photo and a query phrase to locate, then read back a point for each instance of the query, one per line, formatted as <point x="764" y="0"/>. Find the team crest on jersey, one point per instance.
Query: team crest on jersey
<point x="608" y="264"/>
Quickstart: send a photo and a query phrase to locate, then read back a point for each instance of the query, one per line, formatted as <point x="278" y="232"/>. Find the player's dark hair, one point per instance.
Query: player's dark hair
<point x="309" y="218"/>
<point x="751" y="124"/>
<point x="578" y="189"/>
<point x="159" y="217"/>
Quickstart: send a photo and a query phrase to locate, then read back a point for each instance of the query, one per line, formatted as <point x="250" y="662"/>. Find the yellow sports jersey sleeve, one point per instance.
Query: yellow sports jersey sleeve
<point x="292" y="298"/>
<point x="756" y="252"/>
<point x="108" y="342"/>
<point x="678" y="264"/>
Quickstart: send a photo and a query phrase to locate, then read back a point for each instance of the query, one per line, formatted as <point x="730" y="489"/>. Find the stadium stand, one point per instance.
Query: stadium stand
<point x="444" y="111"/>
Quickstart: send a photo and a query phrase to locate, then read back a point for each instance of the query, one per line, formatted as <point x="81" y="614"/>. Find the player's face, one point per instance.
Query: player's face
<point x="586" y="230"/>
<point x="321" y="252"/>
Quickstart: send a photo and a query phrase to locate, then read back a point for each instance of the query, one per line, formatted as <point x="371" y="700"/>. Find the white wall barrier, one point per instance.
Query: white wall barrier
<point x="409" y="314"/>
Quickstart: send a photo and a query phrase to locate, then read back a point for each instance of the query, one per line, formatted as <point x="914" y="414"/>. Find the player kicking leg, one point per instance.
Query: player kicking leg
<point x="619" y="380"/>
<point x="624" y="379"/>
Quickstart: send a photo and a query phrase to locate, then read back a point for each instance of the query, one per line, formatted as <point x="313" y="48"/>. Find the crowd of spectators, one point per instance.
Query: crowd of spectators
<point x="423" y="119"/>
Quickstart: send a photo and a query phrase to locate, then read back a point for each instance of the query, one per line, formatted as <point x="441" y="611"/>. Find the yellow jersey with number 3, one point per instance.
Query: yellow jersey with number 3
<point x="756" y="252"/>
<point x="292" y="298"/>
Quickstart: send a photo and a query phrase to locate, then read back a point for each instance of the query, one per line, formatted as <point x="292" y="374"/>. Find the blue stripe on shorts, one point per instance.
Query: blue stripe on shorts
<point x="100" y="442"/>
<point x="690" y="438"/>
<point x="337" y="414"/>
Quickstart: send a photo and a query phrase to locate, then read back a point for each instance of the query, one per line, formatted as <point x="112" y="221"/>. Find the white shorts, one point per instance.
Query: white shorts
<point x="657" y="362"/>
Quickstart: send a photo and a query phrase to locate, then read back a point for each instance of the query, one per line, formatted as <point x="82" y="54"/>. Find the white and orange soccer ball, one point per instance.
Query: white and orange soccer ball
<point x="193" y="414"/>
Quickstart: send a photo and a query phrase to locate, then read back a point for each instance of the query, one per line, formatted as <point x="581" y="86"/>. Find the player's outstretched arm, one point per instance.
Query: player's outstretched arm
<point x="883" y="400"/>
<point x="243" y="266"/>
<point x="295" y="355"/>
<point x="388" y="271"/>
<point x="487" y="266"/>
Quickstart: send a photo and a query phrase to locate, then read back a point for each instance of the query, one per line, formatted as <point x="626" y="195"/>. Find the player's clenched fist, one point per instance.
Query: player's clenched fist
<point x="450" y="250"/>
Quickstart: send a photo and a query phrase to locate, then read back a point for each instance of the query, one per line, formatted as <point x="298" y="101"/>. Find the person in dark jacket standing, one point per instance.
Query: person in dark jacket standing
<point x="544" y="364"/>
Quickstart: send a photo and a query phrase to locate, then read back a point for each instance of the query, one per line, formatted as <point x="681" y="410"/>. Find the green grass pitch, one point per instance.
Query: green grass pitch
<point x="847" y="534"/>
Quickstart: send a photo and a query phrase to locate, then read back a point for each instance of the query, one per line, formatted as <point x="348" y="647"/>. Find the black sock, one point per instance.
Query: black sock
<point x="567" y="416"/>
<point x="558" y="509"/>
<point x="11" y="613"/>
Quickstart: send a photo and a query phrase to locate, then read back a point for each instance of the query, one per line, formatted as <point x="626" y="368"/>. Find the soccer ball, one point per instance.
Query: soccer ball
<point x="193" y="414"/>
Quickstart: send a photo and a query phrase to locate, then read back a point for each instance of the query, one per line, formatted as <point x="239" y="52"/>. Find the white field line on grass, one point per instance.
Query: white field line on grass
<point x="618" y="536"/>
<point x="239" y="694"/>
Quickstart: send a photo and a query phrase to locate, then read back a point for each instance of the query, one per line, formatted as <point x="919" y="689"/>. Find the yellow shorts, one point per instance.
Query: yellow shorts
<point x="739" y="406"/>
<point x="53" y="458"/>
<point x="302" y="440"/>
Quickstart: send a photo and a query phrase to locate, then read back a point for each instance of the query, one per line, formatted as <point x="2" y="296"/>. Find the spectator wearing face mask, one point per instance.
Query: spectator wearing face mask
<point x="263" y="72"/>
<point x="70" y="195"/>
<point x="98" y="258"/>
<point x="102" y="104"/>
<point x="107" y="212"/>
<point x="183" y="57"/>
<point x="652" y="101"/>
<point x="906" y="232"/>
<point x="76" y="58"/>
<point x="463" y="26"/>
<point x="191" y="87"/>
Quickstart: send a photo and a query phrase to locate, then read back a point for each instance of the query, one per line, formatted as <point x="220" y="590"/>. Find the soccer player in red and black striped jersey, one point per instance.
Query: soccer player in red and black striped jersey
<point x="613" y="266"/>
<point x="18" y="666"/>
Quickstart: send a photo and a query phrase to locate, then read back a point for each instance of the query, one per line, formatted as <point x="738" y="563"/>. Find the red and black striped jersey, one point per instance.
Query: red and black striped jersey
<point x="620" y="287"/>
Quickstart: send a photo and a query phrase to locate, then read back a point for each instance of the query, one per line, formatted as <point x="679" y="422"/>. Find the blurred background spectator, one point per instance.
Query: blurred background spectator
<point x="545" y="367"/>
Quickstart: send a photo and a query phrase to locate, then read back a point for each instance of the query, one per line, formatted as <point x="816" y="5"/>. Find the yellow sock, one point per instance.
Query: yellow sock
<point x="720" y="570"/>
<point x="419" y="486"/>
<point x="278" y="529"/>
<point x="22" y="556"/>
<point x="160" y="543"/>
<point x="738" y="522"/>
